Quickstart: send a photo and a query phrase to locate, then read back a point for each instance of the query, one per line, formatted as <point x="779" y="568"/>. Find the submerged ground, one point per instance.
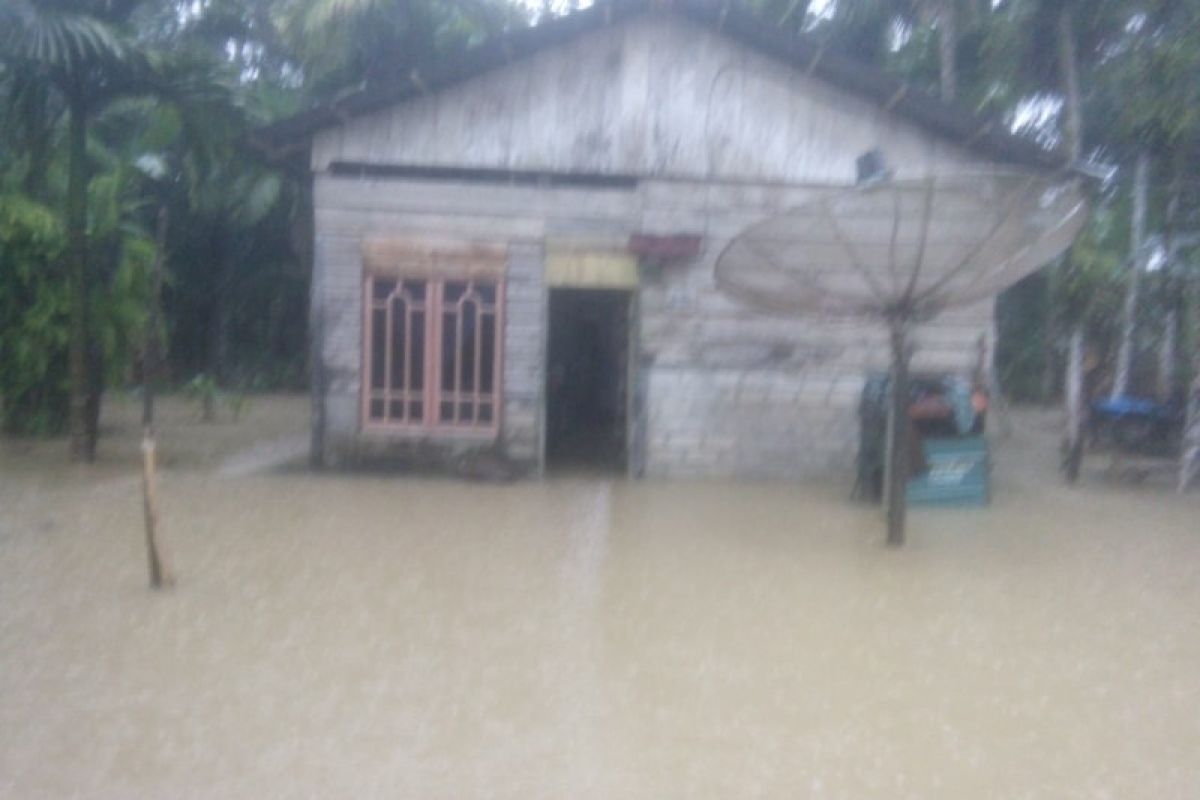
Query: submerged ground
<point x="369" y="636"/>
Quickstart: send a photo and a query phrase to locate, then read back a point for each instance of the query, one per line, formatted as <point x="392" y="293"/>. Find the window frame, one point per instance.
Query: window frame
<point x="431" y="393"/>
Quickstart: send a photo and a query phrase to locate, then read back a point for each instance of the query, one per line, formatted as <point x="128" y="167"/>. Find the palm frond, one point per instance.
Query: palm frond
<point x="58" y="39"/>
<point x="316" y="15"/>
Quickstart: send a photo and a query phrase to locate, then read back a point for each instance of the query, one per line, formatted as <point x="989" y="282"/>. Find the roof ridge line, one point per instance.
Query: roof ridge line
<point x="981" y="133"/>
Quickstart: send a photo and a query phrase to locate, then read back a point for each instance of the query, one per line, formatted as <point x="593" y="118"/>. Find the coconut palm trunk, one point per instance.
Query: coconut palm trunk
<point x="1189" y="462"/>
<point x="1169" y="347"/>
<point x="83" y="446"/>
<point x="947" y="14"/>
<point x="1075" y="396"/>
<point x="218" y="331"/>
<point x="899" y="442"/>
<point x="77" y="49"/>
<point x="1137" y="246"/>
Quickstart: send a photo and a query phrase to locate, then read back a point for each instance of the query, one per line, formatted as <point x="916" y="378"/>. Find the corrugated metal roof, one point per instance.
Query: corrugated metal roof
<point x="982" y="135"/>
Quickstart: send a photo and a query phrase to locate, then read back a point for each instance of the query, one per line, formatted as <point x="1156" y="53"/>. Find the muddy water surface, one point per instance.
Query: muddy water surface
<point x="369" y="636"/>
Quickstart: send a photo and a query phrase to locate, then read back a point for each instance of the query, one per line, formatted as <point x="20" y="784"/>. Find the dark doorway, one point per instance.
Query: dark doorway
<point x="587" y="377"/>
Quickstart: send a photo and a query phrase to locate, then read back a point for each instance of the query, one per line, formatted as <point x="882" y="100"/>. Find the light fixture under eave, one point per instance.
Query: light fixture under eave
<point x="871" y="168"/>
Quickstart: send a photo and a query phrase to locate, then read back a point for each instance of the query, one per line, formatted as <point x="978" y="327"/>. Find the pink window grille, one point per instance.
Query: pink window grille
<point x="432" y="353"/>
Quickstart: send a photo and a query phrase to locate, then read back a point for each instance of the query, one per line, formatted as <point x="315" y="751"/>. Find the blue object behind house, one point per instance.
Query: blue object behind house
<point x="1138" y="425"/>
<point x="1125" y="406"/>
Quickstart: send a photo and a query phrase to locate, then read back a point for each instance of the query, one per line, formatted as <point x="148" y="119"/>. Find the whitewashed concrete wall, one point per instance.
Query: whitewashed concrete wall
<point x="735" y="392"/>
<point x="727" y="391"/>
<point x="524" y="352"/>
<point x="657" y="95"/>
<point x="732" y="392"/>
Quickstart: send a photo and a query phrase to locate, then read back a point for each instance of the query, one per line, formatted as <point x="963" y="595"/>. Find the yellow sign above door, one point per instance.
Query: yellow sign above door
<point x="580" y="268"/>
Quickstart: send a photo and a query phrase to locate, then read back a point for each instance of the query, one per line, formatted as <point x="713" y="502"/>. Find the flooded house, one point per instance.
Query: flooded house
<point x="514" y="254"/>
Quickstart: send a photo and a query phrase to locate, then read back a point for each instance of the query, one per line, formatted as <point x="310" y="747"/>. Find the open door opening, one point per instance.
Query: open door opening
<point x="587" y="379"/>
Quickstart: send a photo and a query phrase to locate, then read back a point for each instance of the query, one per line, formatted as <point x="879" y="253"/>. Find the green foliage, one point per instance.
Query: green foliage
<point x="348" y="43"/>
<point x="1150" y="86"/>
<point x="1086" y="287"/>
<point x="1089" y="287"/>
<point x="119" y="312"/>
<point x="1023" y="322"/>
<point x="34" y="307"/>
<point x="238" y="402"/>
<point x="203" y="389"/>
<point x="171" y="89"/>
<point x="788" y="15"/>
<point x="33" y="318"/>
<point x="66" y="37"/>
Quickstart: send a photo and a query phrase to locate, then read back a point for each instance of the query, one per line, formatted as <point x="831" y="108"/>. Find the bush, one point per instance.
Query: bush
<point x="33" y="318"/>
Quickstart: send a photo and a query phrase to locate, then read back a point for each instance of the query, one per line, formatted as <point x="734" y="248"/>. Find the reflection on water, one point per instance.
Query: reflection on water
<point x="350" y="636"/>
<point x="587" y="531"/>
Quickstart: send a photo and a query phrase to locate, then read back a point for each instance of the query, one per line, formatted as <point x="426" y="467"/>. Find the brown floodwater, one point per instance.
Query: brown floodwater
<point x="372" y="636"/>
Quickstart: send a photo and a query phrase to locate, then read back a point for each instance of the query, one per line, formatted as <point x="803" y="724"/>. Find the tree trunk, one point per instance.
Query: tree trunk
<point x="77" y="356"/>
<point x="318" y="383"/>
<point x="152" y="356"/>
<point x="1137" y="242"/>
<point x="897" y="487"/>
<point x="1075" y="401"/>
<point x="302" y="238"/>
<point x="95" y="394"/>
<point x="218" y="353"/>
<point x="1168" y="350"/>
<point x="998" y="408"/>
<point x="1189" y="466"/>
<point x="1189" y="462"/>
<point x="1068" y="66"/>
<point x="156" y="556"/>
<point x="220" y="340"/>
<point x="1052" y="333"/>
<point x="948" y="48"/>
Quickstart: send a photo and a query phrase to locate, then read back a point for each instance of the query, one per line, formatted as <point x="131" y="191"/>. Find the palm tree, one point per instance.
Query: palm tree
<point x="227" y="199"/>
<point x="1047" y="48"/>
<point x="789" y="15"/>
<point x="867" y="29"/>
<point x="77" y="47"/>
<point x="31" y="114"/>
<point x="347" y="43"/>
<point x="1068" y="75"/>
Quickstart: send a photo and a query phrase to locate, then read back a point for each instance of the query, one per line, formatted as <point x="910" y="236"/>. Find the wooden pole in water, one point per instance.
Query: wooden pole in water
<point x="987" y="379"/>
<point x="160" y="567"/>
<point x="898" y="447"/>
<point x="1076" y="352"/>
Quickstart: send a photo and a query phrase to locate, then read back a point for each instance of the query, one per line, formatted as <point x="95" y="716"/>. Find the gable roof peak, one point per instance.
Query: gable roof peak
<point x="986" y="136"/>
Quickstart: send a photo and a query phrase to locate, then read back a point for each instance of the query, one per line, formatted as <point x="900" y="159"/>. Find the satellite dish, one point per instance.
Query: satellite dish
<point x="900" y="252"/>
<point x="908" y="246"/>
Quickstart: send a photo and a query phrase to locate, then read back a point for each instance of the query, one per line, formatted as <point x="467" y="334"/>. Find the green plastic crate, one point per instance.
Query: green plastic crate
<point x="959" y="474"/>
